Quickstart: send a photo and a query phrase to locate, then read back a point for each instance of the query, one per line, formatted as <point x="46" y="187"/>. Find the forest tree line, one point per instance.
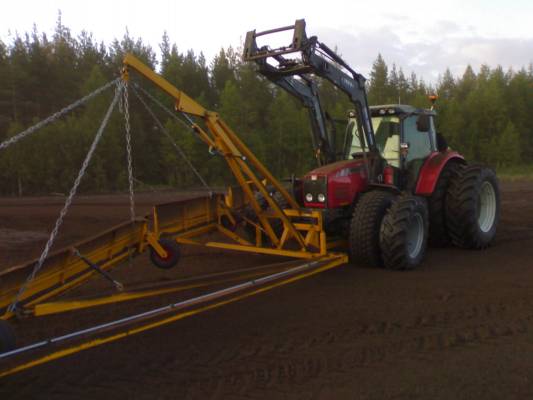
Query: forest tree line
<point x="487" y="116"/>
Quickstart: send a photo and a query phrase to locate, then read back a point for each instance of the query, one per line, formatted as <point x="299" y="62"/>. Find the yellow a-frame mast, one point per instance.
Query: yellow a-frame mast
<point x="239" y="157"/>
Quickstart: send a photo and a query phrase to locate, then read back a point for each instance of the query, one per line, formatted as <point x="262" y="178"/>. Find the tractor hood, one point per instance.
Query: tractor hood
<point x="343" y="167"/>
<point x="334" y="185"/>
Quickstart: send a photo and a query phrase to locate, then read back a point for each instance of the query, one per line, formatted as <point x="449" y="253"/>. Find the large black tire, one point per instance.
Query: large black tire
<point x="404" y="233"/>
<point x="438" y="232"/>
<point x="365" y="227"/>
<point x="7" y="337"/>
<point x="277" y="224"/>
<point x="473" y="207"/>
<point x="173" y="254"/>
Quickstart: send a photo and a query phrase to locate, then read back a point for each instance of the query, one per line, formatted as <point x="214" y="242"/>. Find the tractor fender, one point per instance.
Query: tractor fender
<point x="430" y="171"/>
<point x="384" y="187"/>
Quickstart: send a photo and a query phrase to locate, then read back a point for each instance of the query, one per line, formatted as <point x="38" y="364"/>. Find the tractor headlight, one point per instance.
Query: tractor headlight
<point x="321" y="197"/>
<point x="309" y="197"/>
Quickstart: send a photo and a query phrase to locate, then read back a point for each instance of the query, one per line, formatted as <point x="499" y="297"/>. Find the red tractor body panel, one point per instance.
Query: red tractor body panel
<point x="430" y="171"/>
<point x="342" y="181"/>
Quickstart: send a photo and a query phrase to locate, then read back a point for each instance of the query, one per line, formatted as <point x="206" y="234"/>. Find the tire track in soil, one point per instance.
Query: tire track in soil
<point x="257" y="369"/>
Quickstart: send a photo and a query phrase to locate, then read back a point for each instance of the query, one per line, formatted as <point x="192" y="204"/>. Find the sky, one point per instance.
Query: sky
<point x="421" y="36"/>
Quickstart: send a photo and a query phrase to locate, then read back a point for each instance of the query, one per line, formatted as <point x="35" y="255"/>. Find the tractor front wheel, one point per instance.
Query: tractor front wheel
<point x="365" y="227"/>
<point x="173" y="254"/>
<point x="404" y="233"/>
<point x="473" y="207"/>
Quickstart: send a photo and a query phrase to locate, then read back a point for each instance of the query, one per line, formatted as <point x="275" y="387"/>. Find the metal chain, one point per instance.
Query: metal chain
<point x="178" y="149"/>
<point x="8" y="142"/>
<point x="126" y="110"/>
<point x="68" y="202"/>
<point x="168" y="111"/>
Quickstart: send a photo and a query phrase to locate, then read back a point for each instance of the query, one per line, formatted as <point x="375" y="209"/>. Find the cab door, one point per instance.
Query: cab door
<point x="419" y="147"/>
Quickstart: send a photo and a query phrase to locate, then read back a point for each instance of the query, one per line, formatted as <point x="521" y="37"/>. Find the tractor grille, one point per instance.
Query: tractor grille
<point x="315" y="187"/>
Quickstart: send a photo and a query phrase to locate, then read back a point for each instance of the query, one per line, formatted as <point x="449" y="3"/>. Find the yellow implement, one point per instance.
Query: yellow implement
<point x="188" y="222"/>
<point x="290" y="232"/>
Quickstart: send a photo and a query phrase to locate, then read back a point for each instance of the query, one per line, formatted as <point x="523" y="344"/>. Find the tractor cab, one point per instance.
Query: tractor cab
<point x="404" y="135"/>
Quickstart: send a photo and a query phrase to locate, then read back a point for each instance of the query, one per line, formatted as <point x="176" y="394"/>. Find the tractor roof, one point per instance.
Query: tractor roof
<point x="398" y="109"/>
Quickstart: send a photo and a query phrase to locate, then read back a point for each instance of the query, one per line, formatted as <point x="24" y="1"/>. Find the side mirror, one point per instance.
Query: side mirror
<point x="422" y="123"/>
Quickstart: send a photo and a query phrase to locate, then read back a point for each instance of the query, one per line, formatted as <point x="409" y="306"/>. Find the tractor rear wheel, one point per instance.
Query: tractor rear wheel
<point x="473" y="207"/>
<point x="365" y="227"/>
<point x="7" y="337"/>
<point x="438" y="233"/>
<point x="173" y="254"/>
<point x="404" y="233"/>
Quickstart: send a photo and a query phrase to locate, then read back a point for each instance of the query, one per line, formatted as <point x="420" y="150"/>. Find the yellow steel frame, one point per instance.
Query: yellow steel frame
<point x="187" y="221"/>
<point x="239" y="158"/>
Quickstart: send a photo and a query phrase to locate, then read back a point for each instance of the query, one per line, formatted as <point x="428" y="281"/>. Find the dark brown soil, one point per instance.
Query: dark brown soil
<point x="459" y="327"/>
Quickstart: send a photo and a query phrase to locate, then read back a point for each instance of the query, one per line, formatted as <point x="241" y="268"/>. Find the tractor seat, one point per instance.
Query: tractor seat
<point x="391" y="150"/>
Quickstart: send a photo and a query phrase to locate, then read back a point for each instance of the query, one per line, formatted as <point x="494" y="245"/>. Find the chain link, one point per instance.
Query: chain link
<point x="178" y="149"/>
<point x="68" y="202"/>
<point x="8" y="142"/>
<point x="126" y="110"/>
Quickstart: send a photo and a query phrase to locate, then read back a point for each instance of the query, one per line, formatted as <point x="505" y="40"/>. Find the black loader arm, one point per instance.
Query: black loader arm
<point x="305" y="89"/>
<point x="318" y="59"/>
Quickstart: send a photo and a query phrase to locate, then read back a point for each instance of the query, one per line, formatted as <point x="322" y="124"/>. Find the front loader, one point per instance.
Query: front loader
<point x="391" y="184"/>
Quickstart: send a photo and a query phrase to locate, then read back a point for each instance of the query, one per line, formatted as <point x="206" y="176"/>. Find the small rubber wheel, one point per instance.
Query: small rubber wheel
<point x="173" y="254"/>
<point x="7" y="337"/>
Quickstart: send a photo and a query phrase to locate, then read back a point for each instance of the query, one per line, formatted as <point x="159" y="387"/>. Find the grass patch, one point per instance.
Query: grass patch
<point x="516" y="173"/>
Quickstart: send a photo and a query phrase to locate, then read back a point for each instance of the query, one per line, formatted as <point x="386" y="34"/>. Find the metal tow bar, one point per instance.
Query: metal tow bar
<point x="119" y="286"/>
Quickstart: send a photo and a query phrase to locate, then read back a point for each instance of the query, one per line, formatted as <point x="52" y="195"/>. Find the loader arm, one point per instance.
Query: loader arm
<point x="314" y="58"/>
<point x="305" y="89"/>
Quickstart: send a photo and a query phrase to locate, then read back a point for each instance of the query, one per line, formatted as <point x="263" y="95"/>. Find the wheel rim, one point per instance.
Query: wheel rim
<point x="487" y="207"/>
<point x="415" y="236"/>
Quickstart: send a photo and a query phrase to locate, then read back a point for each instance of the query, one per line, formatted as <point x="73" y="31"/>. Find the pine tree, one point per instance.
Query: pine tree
<point x="508" y="150"/>
<point x="379" y="82"/>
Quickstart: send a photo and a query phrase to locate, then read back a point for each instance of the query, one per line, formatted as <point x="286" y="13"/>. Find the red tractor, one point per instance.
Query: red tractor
<point x="391" y="184"/>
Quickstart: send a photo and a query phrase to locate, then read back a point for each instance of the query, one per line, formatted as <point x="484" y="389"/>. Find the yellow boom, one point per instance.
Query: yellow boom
<point x="237" y="155"/>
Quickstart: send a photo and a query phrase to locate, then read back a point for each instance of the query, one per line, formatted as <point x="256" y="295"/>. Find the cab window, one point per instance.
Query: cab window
<point x="387" y="134"/>
<point x="419" y="142"/>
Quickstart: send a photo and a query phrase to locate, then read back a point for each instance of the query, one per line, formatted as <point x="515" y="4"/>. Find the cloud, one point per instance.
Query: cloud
<point x="429" y="53"/>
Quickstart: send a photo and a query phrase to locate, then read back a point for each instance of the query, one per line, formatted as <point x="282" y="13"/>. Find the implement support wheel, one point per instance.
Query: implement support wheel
<point x="173" y="254"/>
<point x="7" y="337"/>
